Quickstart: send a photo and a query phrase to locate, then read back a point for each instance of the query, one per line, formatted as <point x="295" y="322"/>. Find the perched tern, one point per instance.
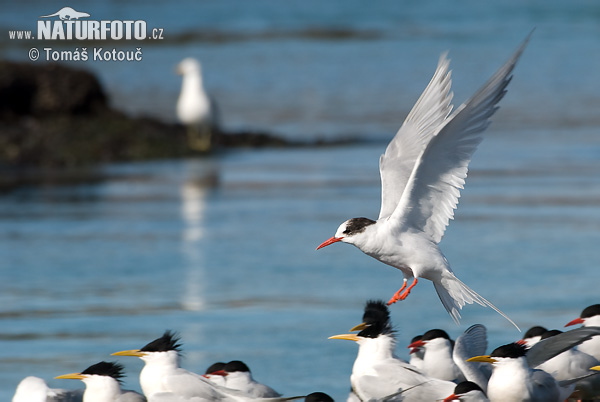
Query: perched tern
<point x="35" y="389"/>
<point x="162" y="373"/>
<point x="467" y="391"/>
<point x="103" y="384"/>
<point x="194" y="108"/>
<point x="514" y="377"/>
<point x="377" y="374"/>
<point x="237" y="376"/>
<point x="590" y="317"/>
<point x="513" y="380"/>
<point x="417" y="353"/>
<point x="437" y="361"/>
<point x="533" y="336"/>
<point x="218" y="379"/>
<point x="422" y="172"/>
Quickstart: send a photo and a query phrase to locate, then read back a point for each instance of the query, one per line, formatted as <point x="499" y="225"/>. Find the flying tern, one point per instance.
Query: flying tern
<point x="422" y="172"/>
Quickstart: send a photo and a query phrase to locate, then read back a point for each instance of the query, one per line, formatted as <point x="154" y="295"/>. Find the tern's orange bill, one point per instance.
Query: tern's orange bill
<point x="330" y="241"/>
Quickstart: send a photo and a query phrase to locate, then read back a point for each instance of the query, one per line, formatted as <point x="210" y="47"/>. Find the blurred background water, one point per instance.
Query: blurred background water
<point x="222" y="249"/>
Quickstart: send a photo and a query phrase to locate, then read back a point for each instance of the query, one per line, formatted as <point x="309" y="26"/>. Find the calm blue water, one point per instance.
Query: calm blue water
<point x="222" y="250"/>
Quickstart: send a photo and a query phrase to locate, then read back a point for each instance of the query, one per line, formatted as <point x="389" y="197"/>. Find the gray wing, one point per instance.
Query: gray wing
<point x="548" y="348"/>
<point x="421" y="124"/>
<point x="396" y="380"/>
<point x="434" y="186"/>
<point x="473" y="342"/>
<point x="545" y="387"/>
<point x="131" y="396"/>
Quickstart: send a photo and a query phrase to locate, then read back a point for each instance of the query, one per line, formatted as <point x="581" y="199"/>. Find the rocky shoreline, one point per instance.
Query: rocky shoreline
<point x="55" y="118"/>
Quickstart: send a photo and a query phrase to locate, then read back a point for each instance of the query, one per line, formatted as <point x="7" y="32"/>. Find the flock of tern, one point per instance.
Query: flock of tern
<point x="422" y="171"/>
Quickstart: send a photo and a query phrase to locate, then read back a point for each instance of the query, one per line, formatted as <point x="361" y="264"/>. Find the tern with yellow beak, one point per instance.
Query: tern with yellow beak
<point x="162" y="372"/>
<point x="103" y="384"/>
<point x="377" y="374"/>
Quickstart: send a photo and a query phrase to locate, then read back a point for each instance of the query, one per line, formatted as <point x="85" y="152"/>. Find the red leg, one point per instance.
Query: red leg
<point x="396" y="296"/>
<point x="407" y="291"/>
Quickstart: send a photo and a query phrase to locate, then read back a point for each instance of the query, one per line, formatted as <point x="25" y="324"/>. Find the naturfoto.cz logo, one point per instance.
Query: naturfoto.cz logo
<point x="68" y="24"/>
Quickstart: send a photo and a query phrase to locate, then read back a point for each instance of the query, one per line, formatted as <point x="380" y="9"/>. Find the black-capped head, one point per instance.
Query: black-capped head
<point x="465" y="387"/>
<point x="590" y="311"/>
<point x="550" y="334"/>
<point x="109" y="369"/>
<point x="169" y="341"/>
<point x="356" y="225"/>
<point x="512" y="350"/>
<point x="236" y="366"/>
<point x="534" y="331"/>
<point x="215" y="367"/>
<point x="318" y="397"/>
<point x="416" y="338"/>
<point x="434" y="334"/>
<point x="377" y="320"/>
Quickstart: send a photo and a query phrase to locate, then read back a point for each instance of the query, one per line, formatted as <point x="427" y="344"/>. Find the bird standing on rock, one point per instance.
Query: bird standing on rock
<point x="194" y="108"/>
<point x="422" y="171"/>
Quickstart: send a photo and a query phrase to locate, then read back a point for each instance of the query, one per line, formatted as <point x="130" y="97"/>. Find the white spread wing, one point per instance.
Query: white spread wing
<point x="434" y="186"/>
<point x="422" y="123"/>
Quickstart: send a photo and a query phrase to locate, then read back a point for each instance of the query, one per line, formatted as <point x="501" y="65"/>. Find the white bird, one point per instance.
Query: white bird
<point x="438" y="361"/>
<point x="422" y="172"/>
<point x="194" y="108"/>
<point x="35" y="389"/>
<point x="467" y="391"/>
<point x="211" y="373"/>
<point x="377" y="374"/>
<point x="417" y="353"/>
<point x="103" y="384"/>
<point x="590" y="317"/>
<point x="163" y="375"/>
<point x="513" y="380"/>
<point x="532" y="336"/>
<point x="514" y="377"/>
<point x="238" y="376"/>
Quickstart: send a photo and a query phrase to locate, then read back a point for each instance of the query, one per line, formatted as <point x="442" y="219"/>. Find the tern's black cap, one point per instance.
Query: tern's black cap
<point x="318" y="397"/>
<point x="357" y="225"/>
<point x="215" y="367"/>
<point x="377" y="318"/>
<point x="169" y="341"/>
<point x="466" y="386"/>
<point x="591" y="311"/>
<point x="534" y="331"/>
<point x="236" y="365"/>
<point x="109" y="369"/>
<point x="435" y="333"/>
<point x="512" y="350"/>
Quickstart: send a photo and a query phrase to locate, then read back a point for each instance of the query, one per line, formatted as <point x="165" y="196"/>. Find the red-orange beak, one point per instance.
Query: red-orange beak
<point x="329" y="241"/>
<point x="416" y="345"/>
<point x="575" y="321"/>
<point x="452" y="397"/>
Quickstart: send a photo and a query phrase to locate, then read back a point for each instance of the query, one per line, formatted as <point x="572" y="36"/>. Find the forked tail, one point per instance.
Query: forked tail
<point x="454" y="295"/>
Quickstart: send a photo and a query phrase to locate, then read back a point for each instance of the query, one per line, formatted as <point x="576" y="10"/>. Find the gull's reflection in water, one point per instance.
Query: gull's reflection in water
<point x="200" y="177"/>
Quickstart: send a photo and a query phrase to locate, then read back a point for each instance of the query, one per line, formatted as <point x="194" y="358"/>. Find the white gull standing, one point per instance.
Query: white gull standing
<point x="422" y="171"/>
<point x="194" y="107"/>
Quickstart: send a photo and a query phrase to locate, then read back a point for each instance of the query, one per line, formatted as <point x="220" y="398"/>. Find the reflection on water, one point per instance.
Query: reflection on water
<point x="199" y="178"/>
